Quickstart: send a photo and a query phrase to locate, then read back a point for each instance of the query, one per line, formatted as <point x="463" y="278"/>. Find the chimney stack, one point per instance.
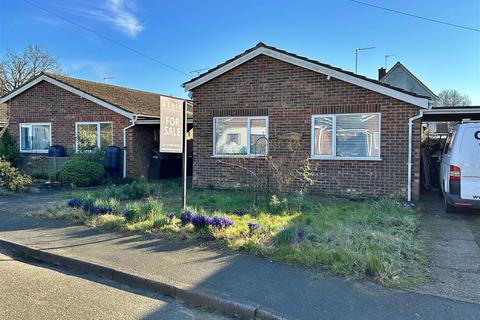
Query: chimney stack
<point x="381" y="73"/>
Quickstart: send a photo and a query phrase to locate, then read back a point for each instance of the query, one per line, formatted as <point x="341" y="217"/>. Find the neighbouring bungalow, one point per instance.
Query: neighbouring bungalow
<point x="3" y="115"/>
<point x="399" y="76"/>
<point x="55" y="110"/>
<point x="361" y="136"/>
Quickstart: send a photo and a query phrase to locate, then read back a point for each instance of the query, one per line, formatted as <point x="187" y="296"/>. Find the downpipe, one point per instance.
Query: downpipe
<point x="410" y="145"/>
<point x="133" y="121"/>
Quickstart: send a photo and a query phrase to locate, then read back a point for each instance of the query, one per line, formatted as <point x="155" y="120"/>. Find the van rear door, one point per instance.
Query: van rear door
<point x="470" y="163"/>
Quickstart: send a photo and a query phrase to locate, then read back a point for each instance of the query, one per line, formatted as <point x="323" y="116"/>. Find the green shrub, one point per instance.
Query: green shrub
<point x="95" y="155"/>
<point x="12" y="179"/>
<point x="81" y="173"/>
<point x="136" y="190"/>
<point x="8" y="150"/>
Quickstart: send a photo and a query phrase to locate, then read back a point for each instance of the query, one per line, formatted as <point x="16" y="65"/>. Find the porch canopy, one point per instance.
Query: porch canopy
<point x="452" y="114"/>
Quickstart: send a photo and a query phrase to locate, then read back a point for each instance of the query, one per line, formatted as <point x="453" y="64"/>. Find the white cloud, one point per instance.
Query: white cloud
<point x="121" y="14"/>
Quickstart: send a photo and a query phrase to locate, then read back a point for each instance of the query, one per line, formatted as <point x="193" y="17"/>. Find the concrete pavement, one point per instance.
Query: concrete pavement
<point x="455" y="252"/>
<point x="42" y="292"/>
<point x="289" y="291"/>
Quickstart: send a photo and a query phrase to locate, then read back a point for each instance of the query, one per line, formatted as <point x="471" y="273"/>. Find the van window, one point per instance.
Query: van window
<point x="449" y="142"/>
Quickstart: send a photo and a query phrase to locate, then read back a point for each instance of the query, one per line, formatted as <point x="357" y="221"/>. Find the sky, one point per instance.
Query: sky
<point x="156" y="45"/>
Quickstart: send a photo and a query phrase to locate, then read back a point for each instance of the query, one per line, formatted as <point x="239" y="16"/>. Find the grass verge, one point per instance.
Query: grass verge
<point x="370" y="239"/>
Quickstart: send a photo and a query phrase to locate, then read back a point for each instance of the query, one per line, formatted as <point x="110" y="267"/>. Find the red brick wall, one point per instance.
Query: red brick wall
<point x="140" y="140"/>
<point x="48" y="103"/>
<point x="289" y="95"/>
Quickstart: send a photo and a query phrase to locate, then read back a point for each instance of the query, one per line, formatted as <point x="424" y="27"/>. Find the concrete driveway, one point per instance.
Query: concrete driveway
<point x="454" y="241"/>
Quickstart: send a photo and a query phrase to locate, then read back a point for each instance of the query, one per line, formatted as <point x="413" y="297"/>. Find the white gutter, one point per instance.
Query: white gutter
<point x="410" y="145"/>
<point x="133" y="121"/>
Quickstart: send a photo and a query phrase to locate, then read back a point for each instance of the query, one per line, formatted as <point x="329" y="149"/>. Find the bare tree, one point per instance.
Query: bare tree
<point x="452" y="98"/>
<point x="18" y="68"/>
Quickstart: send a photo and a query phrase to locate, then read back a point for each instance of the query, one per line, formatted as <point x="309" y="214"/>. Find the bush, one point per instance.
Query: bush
<point x="12" y="179"/>
<point x="8" y="149"/>
<point x="136" y="190"/>
<point x="81" y="173"/>
<point x="95" y="155"/>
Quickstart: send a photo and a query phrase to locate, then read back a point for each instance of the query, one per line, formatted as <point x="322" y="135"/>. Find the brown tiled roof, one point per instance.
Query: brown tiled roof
<point x="3" y="112"/>
<point x="261" y="44"/>
<point x="135" y="101"/>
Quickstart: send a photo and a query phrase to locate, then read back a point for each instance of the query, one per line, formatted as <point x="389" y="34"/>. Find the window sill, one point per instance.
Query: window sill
<point x="346" y="158"/>
<point x="239" y="156"/>
<point x="34" y="151"/>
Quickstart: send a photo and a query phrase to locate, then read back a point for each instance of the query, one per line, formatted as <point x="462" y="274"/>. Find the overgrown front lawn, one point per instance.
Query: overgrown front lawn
<point x="372" y="239"/>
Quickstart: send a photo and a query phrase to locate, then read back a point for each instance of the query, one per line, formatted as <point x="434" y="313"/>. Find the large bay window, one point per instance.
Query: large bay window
<point x="346" y="136"/>
<point x="35" y="137"/>
<point x="93" y="135"/>
<point x="240" y="136"/>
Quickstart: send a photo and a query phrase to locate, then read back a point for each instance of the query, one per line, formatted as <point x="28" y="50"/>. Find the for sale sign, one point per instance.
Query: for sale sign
<point x="171" y="125"/>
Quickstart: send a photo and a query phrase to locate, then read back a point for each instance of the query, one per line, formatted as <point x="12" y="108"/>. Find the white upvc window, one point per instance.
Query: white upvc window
<point x="240" y="136"/>
<point x="35" y="137"/>
<point x="353" y="136"/>
<point x="93" y="135"/>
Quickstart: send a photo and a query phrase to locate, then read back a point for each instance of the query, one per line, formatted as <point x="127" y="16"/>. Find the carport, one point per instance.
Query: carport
<point x="433" y="143"/>
<point x="452" y="114"/>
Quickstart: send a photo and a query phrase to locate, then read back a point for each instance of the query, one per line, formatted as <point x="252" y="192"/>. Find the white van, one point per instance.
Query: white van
<point x="460" y="167"/>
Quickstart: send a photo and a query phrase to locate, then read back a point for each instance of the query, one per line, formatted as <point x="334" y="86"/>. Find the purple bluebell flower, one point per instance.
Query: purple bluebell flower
<point x="75" y="203"/>
<point x="171" y="215"/>
<point x="298" y="237"/>
<point x="199" y="221"/>
<point x="227" y="222"/>
<point x="209" y="221"/>
<point x="216" y="222"/>
<point x="186" y="217"/>
<point x="253" y="226"/>
<point x="301" y="233"/>
<point x="202" y="221"/>
<point x="238" y="212"/>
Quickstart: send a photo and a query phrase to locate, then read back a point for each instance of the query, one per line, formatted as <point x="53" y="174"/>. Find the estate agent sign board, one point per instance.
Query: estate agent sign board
<point x="171" y="125"/>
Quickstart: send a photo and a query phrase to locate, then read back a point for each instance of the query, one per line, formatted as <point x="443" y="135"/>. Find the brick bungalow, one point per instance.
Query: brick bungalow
<point x="361" y="136"/>
<point x="52" y="110"/>
<point x="3" y="115"/>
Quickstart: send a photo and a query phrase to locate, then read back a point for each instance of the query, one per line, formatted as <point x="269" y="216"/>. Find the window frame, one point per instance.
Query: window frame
<point x="249" y="133"/>
<point x="30" y="125"/>
<point x="334" y="156"/>
<point x="97" y="123"/>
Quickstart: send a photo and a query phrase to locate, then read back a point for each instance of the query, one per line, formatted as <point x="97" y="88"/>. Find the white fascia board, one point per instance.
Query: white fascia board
<point x="70" y="89"/>
<point x="418" y="101"/>
<point x="451" y="111"/>
<point x="223" y="69"/>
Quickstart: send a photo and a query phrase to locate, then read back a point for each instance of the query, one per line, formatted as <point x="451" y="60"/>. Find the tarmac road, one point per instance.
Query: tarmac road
<point x="36" y="291"/>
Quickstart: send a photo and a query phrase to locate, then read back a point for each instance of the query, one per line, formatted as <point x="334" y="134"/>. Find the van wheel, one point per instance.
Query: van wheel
<point x="449" y="208"/>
